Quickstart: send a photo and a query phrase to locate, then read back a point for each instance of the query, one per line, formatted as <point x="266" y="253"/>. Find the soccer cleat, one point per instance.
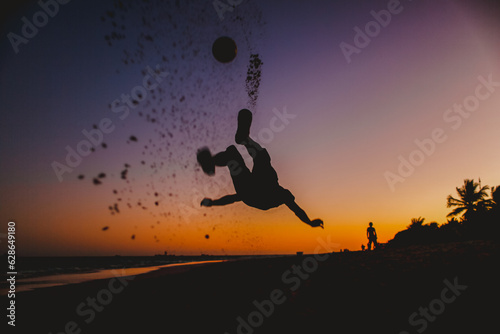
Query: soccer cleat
<point x="206" y="161"/>
<point x="244" y="122"/>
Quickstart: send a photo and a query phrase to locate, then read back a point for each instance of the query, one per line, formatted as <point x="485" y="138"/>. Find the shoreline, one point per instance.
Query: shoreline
<point x="48" y="281"/>
<point x="348" y="292"/>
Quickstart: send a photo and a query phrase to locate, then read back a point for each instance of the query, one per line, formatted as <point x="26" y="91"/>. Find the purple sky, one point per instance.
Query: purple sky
<point x="349" y="123"/>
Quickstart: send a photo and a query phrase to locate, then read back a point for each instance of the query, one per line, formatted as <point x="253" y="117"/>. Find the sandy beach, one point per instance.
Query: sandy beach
<point x="442" y="288"/>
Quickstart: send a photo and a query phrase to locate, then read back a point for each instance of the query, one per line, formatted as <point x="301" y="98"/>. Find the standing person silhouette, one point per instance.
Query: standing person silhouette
<point x="371" y="234"/>
<point x="258" y="188"/>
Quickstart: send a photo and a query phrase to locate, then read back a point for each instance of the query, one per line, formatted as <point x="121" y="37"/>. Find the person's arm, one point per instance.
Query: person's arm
<point x="303" y="215"/>
<point x="228" y="199"/>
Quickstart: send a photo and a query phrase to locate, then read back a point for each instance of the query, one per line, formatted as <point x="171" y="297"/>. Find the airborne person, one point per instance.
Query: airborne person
<point x="258" y="188"/>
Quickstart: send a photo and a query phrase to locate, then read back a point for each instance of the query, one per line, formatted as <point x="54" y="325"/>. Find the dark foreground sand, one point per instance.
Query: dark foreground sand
<point x="345" y="293"/>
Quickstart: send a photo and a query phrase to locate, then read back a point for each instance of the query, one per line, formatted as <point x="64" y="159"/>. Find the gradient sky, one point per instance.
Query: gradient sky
<point x="352" y="122"/>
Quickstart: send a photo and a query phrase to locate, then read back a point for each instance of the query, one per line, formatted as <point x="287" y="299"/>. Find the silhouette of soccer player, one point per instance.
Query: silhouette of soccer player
<point x="258" y="188"/>
<point x="371" y="234"/>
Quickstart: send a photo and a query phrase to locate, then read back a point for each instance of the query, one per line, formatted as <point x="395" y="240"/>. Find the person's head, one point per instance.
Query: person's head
<point x="371" y="224"/>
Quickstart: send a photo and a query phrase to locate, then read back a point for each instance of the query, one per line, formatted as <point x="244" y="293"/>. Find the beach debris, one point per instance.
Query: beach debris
<point x="81" y="177"/>
<point x="105" y="228"/>
<point x="114" y="208"/>
<point x="183" y="101"/>
<point x="252" y="82"/>
<point x="132" y="237"/>
<point x="207" y="236"/>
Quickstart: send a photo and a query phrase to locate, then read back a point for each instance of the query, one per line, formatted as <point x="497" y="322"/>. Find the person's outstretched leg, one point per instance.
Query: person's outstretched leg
<point x="244" y="123"/>
<point x="262" y="170"/>
<point x="243" y="133"/>
<point x="252" y="146"/>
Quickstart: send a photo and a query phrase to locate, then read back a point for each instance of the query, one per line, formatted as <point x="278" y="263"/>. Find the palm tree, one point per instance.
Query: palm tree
<point x="416" y="223"/>
<point x="472" y="199"/>
<point x="495" y="196"/>
<point x="495" y="203"/>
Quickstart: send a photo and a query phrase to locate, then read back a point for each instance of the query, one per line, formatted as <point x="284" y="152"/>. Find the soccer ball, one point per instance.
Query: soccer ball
<point x="224" y="49"/>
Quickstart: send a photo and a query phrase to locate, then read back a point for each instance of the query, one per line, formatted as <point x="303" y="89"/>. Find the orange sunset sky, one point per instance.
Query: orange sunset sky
<point x="350" y="122"/>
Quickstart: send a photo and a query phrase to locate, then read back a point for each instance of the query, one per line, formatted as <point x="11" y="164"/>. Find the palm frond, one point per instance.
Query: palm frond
<point x="456" y="212"/>
<point x="451" y="201"/>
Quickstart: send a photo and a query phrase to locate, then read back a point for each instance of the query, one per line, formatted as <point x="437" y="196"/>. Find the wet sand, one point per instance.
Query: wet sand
<point x="28" y="284"/>
<point x="351" y="292"/>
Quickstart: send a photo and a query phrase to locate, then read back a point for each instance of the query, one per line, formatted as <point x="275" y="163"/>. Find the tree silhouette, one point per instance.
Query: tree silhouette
<point x="417" y="234"/>
<point x="416" y="223"/>
<point x="495" y="197"/>
<point x="480" y="219"/>
<point x="494" y="212"/>
<point x="452" y="230"/>
<point x="472" y="200"/>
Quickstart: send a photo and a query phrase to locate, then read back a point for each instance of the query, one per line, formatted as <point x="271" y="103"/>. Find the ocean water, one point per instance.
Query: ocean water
<point x="34" y="273"/>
